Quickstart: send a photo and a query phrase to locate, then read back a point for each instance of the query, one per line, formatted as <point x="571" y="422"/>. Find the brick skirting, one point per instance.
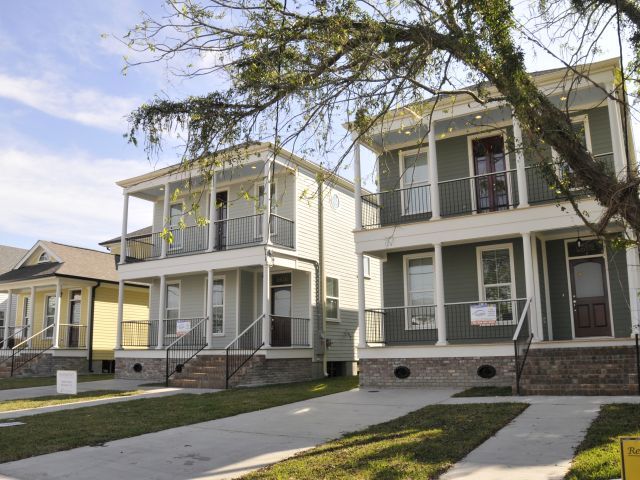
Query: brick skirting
<point x="436" y="372"/>
<point x="152" y="368"/>
<point x="46" y="365"/>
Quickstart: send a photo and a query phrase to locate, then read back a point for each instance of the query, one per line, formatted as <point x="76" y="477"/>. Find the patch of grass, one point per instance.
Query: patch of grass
<point x="485" y="392"/>
<point x="56" y="431"/>
<point x="27" y="382"/>
<point x="420" y="445"/>
<point x="52" y="400"/>
<point x="598" y="456"/>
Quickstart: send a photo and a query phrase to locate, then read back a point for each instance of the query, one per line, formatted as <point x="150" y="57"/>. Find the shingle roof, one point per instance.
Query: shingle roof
<point x="74" y="262"/>
<point x="143" y="231"/>
<point x="9" y="257"/>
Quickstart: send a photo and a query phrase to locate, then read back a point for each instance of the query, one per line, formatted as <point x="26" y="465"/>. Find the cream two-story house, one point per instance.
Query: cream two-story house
<point x="252" y="274"/>
<point x="489" y="276"/>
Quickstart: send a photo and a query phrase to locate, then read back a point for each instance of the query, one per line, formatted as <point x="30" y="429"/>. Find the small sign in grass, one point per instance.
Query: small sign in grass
<point x="598" y="456"/>
<point x="419" y="446"/>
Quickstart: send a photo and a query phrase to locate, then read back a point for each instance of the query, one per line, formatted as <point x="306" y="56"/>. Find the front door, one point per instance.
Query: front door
<point x="75" y="305"/>
<point x="281" y="310"/>
<point x="221" y="202"/>
<point x="491" y="190"/>
<point x="589" y="297"/>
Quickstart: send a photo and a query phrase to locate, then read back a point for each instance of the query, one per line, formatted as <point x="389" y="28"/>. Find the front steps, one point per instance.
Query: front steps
<point x="580" y="371"/>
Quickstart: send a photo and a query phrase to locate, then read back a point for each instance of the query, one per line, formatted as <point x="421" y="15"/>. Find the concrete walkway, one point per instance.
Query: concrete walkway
<point x="228" y="447"/>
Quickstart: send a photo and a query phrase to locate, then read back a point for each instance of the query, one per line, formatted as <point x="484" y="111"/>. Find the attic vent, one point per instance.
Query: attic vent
<point x="44" y="257"/>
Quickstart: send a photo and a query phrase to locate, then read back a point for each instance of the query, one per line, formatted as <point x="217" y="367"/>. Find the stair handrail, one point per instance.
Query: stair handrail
<point x="33" y="352"/>
<point x="520" y="359"/>
<point x="5" y="353"/>
<point x="250" y="352"/>
<point x="197" y="348"/>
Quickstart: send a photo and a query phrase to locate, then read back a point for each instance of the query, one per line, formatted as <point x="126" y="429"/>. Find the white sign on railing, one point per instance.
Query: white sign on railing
<point x="483" y="314"/>
<point x="67" y="382"/>
<point x="183" y="327"/>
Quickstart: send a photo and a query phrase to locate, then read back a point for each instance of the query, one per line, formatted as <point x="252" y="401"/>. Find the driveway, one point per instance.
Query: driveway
<point x="227" y="447"/>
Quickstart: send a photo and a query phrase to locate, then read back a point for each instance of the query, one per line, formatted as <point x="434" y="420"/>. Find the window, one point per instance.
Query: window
<point x="43" y="258"/>
<point x="175" y="220"/>
<point x="172" y="308"/>
<point x="26" y="311"/>
<point x="581" y="128"/>
<point x="332" y="304"/>
<point x="49" y="314"/>
<point x="2" y="313"/>
<point x="217" y="301"/>
<point x="260" y="208"/>
<point x="419" y="292"/>
<point x="367" y="266"/>
<point x="414" y="180"/>
<point x="495" y="265"/>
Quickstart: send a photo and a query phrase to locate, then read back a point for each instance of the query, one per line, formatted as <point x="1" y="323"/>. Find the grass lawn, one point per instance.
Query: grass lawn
<point x="598" y="456"/>
<point x="55" y="431"/>
<point x="26" y="382"/>
<point x="419" y="446"/>
<point x="51" y="400"/>
<point x="485" y="392"/>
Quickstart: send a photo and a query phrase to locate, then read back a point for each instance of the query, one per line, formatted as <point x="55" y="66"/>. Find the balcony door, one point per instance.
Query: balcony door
<point x="415" y="197"/>
<point x="281" y="310"/>
<point x="491" y="186"/>
<point x="222" y="212"/>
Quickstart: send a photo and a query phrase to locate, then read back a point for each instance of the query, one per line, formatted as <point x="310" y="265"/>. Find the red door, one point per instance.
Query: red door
<point x="589" y="297"/>
<point x="491" y="187"/>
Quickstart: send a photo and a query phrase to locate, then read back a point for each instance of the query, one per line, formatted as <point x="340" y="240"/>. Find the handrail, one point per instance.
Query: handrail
<point x="27" y="351"/>
<point x="32" y="336"/>
<point x="521" y="320"/>
<point x="18" y="330"/>
<point x="239" y="218"/>
<point x="501" y="172"/>
<point x="520" y="358"/>
<point x="244" y="347"/>
<point x="185" y="354"/>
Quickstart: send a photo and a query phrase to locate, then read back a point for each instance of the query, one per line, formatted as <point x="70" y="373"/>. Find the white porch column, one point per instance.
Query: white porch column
<point x="617" y="137"/>
<point x="213" y="212"/>
<point x="362" y="324"/>
<point x="165" y="219"/>
<point x="7" y="319"/>
<point x="521" y="173"/>
<point x="120" y="314"/>
<point x="209" y="312"/>
<point x="266" y="202"/>
<point x="633" y="271"/>
<point x="537" y="295"/>
<point x="58" y="313"/>
<point x="529" y="283"/>
<point x="266" y="304"/>
<point x="441" y="320"/>
<point x="433" y="174"/>
<point x="32" y="307"/>
<point x="162" y="311"/>
<point x="357" y="181"/>
<point x="123" y="236"/>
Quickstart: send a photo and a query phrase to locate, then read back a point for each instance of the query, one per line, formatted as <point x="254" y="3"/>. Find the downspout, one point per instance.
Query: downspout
<point x="323" y="334"/>
<point x="91" y="319"/>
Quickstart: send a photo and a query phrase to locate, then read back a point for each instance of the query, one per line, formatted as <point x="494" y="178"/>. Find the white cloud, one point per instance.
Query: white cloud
<point x="67" y="198"/>
<point x="60" y="99"/>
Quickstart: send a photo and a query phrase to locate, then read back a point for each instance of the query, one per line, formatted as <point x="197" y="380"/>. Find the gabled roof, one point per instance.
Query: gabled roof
<point x="69" y="261"/>
<point x="9" y="257"/>
<point x="137" y="233"/>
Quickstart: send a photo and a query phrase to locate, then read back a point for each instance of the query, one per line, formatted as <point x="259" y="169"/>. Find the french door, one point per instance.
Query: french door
<point x="491" y="182"/>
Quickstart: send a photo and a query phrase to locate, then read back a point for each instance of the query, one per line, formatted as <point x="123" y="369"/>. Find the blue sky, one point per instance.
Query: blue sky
<point x="63" y="100"/>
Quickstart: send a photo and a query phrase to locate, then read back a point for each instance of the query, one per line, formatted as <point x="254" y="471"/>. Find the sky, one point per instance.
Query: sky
<point x="63" y="103"/>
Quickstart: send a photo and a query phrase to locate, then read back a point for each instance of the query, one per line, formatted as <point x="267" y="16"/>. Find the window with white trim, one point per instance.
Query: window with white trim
<point x="26" y="311"/>
<point x="175" y="223"/>
<point x="496" y="280"/>
<point x="366" y="261"/>
<point x="332" y="299"/>
<point x="580" y="126"/>
<point x="172" y="307"/>
<point x="260" y="208"/>
<point x="420" y="292"/>
<point x="43" y="258"/>
<point x="217" y="301"/>
<point x="49" y="314"/>
<point x="414" y="181"/>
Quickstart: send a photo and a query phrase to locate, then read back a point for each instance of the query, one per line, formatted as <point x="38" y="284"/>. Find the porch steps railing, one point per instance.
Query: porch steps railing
<point x="10" y="341"/>
<point x="243" y="348"/>
<point x="31" y="348"/>
<point x="522" y="342"/>
<point x="184" y="348"/>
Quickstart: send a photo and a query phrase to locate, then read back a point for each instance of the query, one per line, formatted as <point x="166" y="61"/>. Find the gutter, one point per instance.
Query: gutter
<point x="91" y="319"/>
<point x="323" y="333"/>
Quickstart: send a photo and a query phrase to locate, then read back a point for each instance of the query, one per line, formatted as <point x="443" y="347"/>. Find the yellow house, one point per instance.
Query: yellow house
<point x="61" y="310"/>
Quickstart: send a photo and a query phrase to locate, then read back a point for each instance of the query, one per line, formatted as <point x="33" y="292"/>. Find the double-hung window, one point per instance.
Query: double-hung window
<point x="580" y="126"/>
<point x="332" y="299"/>
<point x="49" y="314"/>
<point x="175" y="222"/>
<point x="419" y="292"/>
<point x="414" y="178"/>
<point x="172" y="308"/>
<point x="260" y="208"/>
<point x="217" y="302"/>
<point x="496" y="276"/>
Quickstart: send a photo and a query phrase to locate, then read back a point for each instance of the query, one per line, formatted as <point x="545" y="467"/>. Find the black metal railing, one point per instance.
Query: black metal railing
<point x="289" y="332"/>
<point x="140" y="333"/>
<point x="143" y="247"/>
<point x="72" y="336"/>
<point x="480" y="193"/>
<point x="460" y="326"/>
<point x="239" y="232"/>
<point x="404" y="205"/>
<point x="282" y="231"/>
<point x="522" y="342"/>
<point x="243" y="348"/>
<point x="396" y="325"/>
<point x="31" y="348"/>
<point x="181" y="241"/>
<point x="16" y="335"/>
<point x="176" y="327"/>
<point x="184" y="348"/>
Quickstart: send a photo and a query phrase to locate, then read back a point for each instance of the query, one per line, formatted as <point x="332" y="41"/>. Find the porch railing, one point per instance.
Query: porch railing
<point x="460" y="327"/>
<point x="404" y="205"/>
<point x="16" y="335"/>
<point x="289" y="332"/>
<point x="176" y="327"/>
<point x="140" y="333"/>
<point x="396" y="325"/>
<point x="243" y="348"/>
<point x="522" y="342"/>
<point x="72" y="336"/>
<point x="31" y="348"/>
<point x="184" y="348"/>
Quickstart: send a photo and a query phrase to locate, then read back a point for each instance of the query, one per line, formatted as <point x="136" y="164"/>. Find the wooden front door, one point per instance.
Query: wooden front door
<point x="491" y="188"/>
<point x="589" y="297"/>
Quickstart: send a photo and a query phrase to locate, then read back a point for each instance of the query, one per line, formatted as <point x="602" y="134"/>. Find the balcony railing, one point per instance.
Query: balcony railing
<point x="405" y="205"/>
<point x="417" y="325"/>
<point x="139" y="333"/>
<point x="229" y="233"/>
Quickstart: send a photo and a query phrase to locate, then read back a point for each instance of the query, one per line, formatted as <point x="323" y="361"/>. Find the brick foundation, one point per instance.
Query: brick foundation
<point x="436" y="372"/>
<point x="152" y="368"/>
<point x="46" y="366"/>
